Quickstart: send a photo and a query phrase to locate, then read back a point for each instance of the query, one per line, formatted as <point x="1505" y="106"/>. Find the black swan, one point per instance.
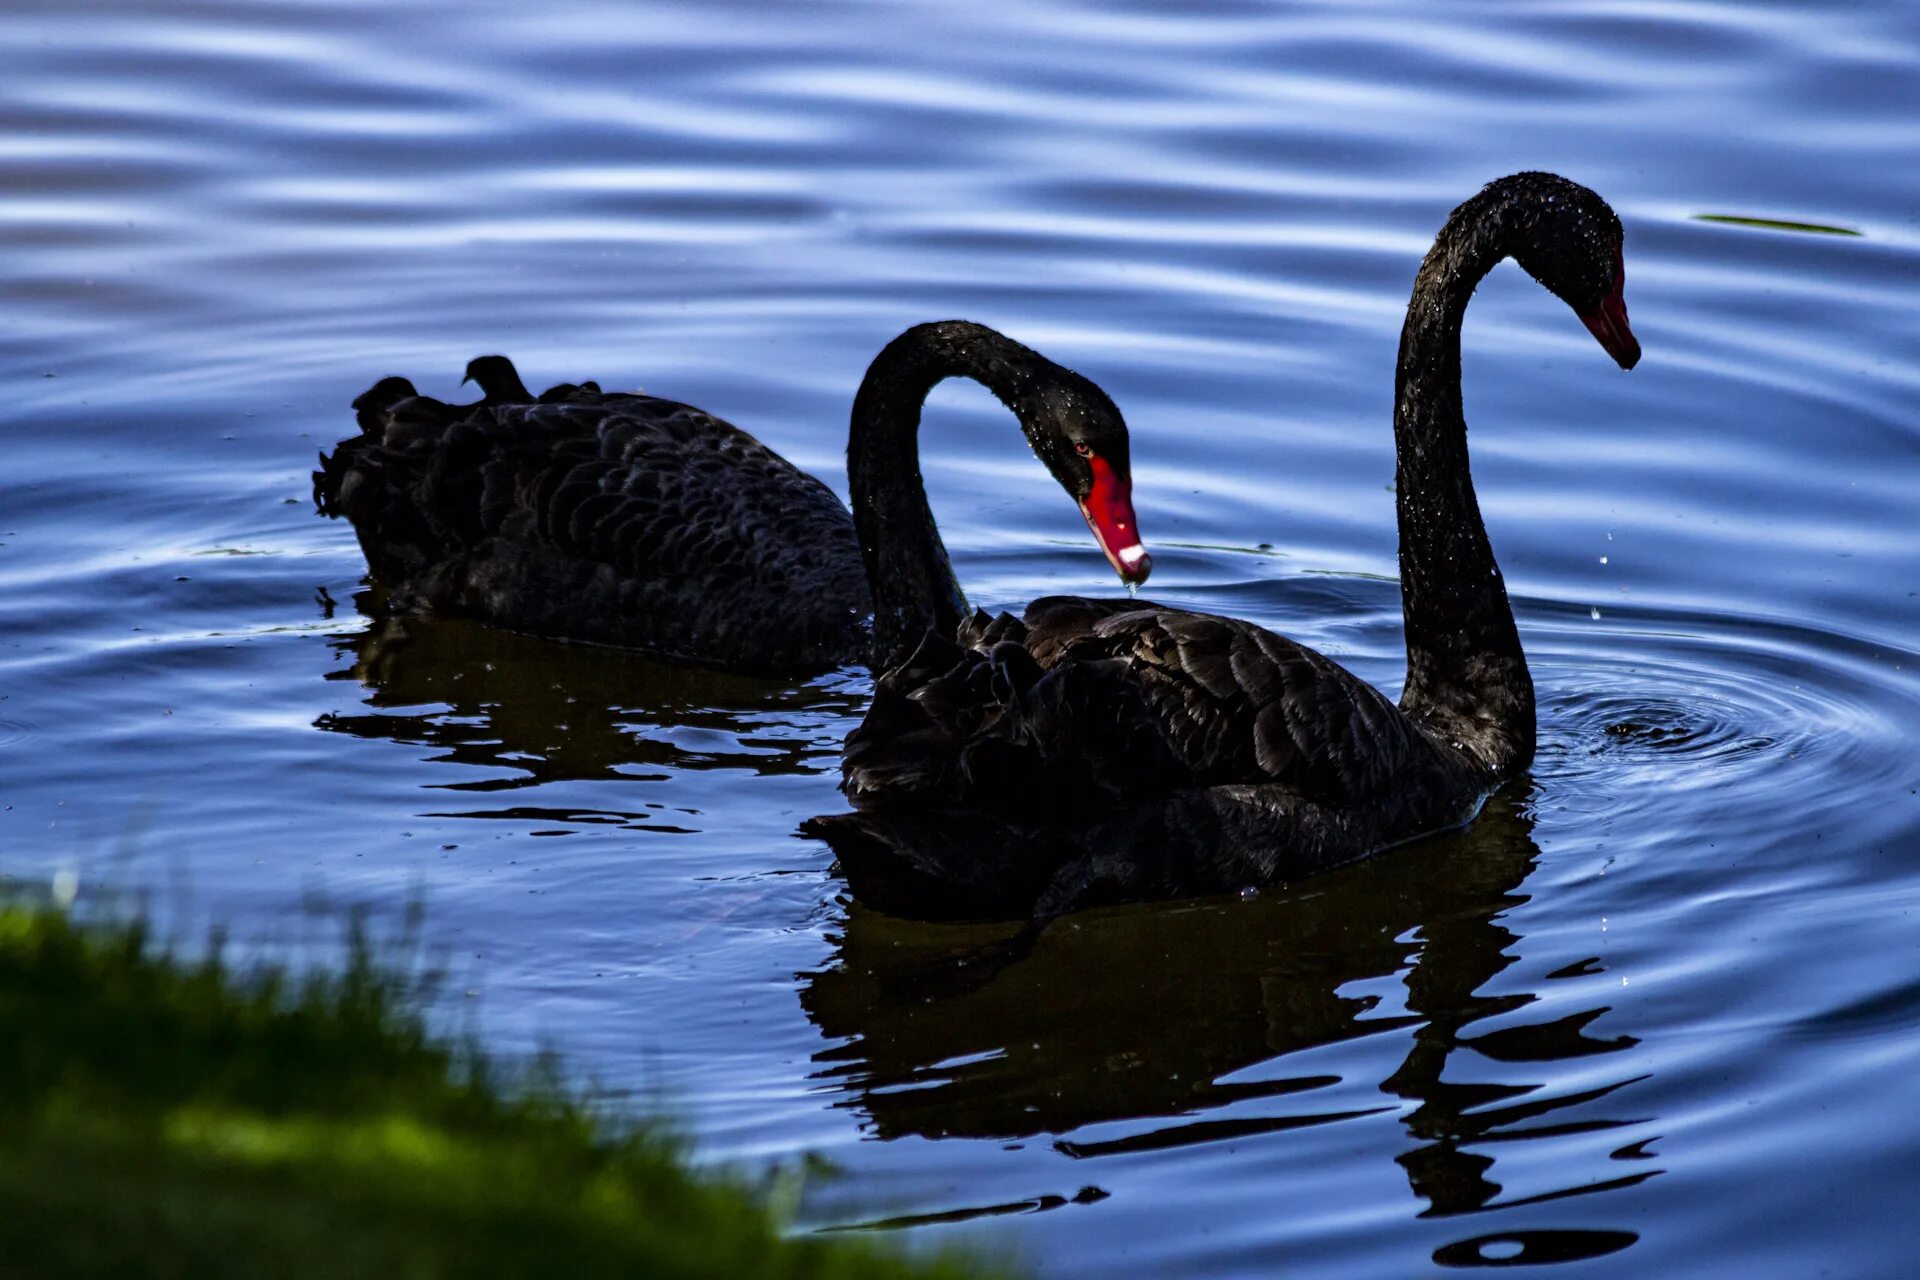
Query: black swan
<point x="1113" y="750"/>
<point x="634" y="521"/>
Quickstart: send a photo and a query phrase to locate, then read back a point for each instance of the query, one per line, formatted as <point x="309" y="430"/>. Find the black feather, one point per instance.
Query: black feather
<point x="615" y="519"/>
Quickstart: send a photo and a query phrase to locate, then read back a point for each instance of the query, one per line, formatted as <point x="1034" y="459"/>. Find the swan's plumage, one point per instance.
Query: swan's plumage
<point x="609" y="518"/>
<point x="1101" y="751"/>
<point x="1113" y="698"/>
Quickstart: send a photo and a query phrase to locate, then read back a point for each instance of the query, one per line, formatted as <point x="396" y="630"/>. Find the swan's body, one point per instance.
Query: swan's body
<point x="613" y="519"/>
<point x="1100" y="751"/>
<point x="1113" y="750"/>
<point x="635" y="521"/>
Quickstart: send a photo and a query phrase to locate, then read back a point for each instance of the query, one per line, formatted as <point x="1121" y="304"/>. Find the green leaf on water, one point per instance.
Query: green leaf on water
<point x="1776" y="224"/>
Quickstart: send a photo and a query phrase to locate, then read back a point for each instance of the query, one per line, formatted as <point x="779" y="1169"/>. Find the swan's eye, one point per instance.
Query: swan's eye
<point x="1082" y="448"/>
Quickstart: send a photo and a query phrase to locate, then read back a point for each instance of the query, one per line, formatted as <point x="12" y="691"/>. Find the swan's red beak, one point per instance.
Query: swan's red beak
<point x="1608" y="322"/>
<point x="1109" y="512"/>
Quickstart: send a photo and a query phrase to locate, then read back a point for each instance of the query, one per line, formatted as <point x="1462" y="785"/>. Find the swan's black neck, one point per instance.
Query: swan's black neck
<point x="913" y="586"/>
<point x="1466" y="674"/>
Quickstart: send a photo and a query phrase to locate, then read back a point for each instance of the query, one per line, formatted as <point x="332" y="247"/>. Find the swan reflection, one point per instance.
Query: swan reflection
<point x="1149" y="1028"/>
<point x="520" y="712"/>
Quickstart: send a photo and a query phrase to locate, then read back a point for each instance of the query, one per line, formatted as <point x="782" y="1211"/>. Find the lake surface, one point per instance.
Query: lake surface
<point x="1657" y="1013"/>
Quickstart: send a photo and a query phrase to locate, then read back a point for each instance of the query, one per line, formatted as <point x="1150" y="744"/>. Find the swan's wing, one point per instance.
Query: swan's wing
<point x="657" y="489"/>
<point x="621" y="519"/>
<point x="1236" y="703"/>
<point x="1088" y="704"/>
<point x="648" y="487"/>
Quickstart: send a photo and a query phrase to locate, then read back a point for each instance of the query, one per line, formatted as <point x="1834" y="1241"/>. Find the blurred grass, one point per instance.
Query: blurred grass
<point x="166" y="1119"/>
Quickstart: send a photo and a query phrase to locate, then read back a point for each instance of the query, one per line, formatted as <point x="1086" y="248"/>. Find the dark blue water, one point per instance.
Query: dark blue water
<point x="1658" y="1013"/>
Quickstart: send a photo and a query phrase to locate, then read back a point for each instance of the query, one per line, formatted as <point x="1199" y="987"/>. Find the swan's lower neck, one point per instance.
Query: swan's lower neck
<point x="1466" y="674"/>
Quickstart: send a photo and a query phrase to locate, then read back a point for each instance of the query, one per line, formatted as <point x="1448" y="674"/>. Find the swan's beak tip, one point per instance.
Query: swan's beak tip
<point x="1109" y="513"/>
<point x="1608" y="324"/>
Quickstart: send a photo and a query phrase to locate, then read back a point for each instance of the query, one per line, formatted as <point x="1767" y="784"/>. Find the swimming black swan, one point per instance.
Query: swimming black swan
<point x="634" y="521"/>
<point x="1113" y="750"/>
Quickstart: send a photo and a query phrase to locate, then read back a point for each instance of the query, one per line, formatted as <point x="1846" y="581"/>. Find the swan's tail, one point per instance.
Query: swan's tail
<point x="374" y="480"/>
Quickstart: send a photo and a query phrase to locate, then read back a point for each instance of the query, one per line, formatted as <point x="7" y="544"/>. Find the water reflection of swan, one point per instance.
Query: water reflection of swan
<point x="1144" y="1023"/>
<point x="530" y="711"/>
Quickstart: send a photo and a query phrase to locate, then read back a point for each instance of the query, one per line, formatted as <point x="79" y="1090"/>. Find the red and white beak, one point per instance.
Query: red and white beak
<point x="1109" y="513"/>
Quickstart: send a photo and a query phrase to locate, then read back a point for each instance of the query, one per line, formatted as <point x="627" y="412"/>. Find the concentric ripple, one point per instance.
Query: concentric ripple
<point x="1660" y="704"/>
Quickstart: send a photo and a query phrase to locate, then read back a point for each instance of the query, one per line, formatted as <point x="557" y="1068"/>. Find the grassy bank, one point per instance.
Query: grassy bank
<point x="159" y="1119"/>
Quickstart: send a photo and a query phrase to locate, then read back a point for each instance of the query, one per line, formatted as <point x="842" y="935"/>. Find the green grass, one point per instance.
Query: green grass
<point x="162" y="1119"/>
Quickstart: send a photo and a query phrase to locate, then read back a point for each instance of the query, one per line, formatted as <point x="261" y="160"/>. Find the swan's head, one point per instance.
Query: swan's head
<point x="1080" y="435"/>
<point x="497" y="379"/>
<point x="482" y="370"/>
<point x="1568" y="239"/>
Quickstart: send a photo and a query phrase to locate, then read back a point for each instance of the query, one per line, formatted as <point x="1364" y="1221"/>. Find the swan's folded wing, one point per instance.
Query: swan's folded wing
<point x="649" y="487"/>
<point x="654" y="489"/>
<point x="1090" y="703"/>
<point x="1235" y="703"/>
<point x="614" y="519"/>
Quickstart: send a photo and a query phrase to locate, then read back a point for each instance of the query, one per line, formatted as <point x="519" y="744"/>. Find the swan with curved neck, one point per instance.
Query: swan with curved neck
<point x="1074" y="429"/>
<point x="640" y="522"/>
<point x="1465" y="670"/>
<point x="1102" y="750"/>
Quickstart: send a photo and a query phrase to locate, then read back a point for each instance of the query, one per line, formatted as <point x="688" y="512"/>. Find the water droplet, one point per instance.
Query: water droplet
<point x="1603" y="559"/>
<point x="1596" y="614"/>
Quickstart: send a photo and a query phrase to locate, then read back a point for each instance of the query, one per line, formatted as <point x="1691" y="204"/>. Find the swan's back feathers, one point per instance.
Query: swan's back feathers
<point x="613" y="518"/>
<point x="1239" y="704"/>
<point x="1088" y="703"/>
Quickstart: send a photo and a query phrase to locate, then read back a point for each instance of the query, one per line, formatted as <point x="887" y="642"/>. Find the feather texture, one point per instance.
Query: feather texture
<point x="1112" y="750"/>
<point x="614" y="519"/>
<point x="1100" y="751"/>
